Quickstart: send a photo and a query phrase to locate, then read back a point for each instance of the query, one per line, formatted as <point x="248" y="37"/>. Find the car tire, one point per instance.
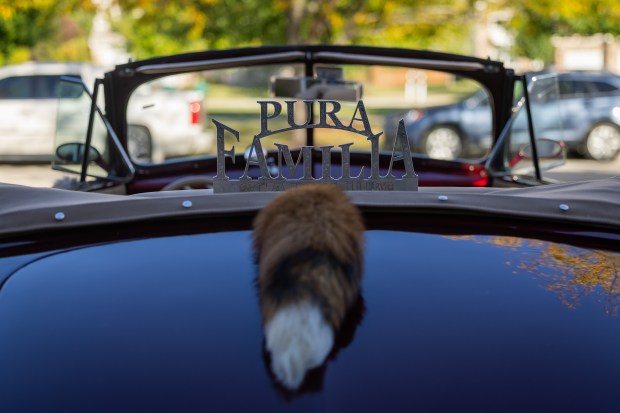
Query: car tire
<point x="139" y="144"/>
<point x="442" y="142"/>
<point x="603" y="142"/>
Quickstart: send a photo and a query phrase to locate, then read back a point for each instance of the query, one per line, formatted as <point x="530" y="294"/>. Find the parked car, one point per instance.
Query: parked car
<point x="586" y="116"/>
<point x="304" y="95"/>
<point x="30" y="96"/>
<point x="472" y="299"/>
<point x="166" y="121"/>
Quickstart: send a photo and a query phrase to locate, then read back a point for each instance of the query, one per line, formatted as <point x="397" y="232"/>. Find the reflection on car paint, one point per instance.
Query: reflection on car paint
<point x="184" y="324"/>
<point x="572" y="273"/>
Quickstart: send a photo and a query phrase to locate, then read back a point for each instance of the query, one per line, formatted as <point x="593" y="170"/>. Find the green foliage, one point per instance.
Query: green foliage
<point x="163" y="27"/>
<point x="533" y="35"/>
<point x="536" y="21"/>
<point x="48" y="29"/>
<point x="22" y="25"/>
<point x="58" y="29"/>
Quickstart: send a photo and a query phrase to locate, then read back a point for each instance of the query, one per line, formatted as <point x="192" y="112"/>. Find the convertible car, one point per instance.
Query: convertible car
<point x="334" y="100"/>
<point x="417" y="297"/>
<point x="472" y="299"/>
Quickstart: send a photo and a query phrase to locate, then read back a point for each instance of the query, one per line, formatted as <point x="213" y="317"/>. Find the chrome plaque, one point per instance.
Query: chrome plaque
<point x="271" y="177"/>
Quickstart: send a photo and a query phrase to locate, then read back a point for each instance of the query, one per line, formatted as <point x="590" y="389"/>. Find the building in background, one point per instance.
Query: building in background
<point x="600" y="52"/>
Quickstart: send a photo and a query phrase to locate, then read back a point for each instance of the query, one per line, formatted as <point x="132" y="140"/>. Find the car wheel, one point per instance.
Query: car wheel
<point x="603" y="142"/>
<point x="443" y="142"/>
<point x="139" y="144"/>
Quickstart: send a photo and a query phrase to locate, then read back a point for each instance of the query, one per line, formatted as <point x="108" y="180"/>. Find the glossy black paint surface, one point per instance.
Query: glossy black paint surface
<point x="445" y="323"/>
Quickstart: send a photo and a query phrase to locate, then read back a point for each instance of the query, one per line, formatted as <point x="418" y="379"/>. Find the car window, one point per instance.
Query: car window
<point x="72" y="124"/>
<point x="31" y="87"/>
<point x="602" y="87"/>
<point x="446" y="117"/>
<point x="172" y="117"/>
<point x="548" y="128"/>
<point x="569" y="87"/>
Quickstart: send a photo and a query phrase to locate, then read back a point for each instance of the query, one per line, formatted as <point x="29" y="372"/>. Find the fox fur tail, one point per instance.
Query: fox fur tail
<point x="309" y="245"/>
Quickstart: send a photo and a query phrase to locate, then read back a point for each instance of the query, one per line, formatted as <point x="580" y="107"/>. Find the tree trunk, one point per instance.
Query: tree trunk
<point x="295" y="16"/>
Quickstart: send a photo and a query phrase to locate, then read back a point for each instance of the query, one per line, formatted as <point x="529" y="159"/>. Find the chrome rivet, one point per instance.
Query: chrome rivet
<point x="442" y="198"/>
<point x="564" y="207"/>
<point x="187" y="204"/>
<point x="59" y="216"/>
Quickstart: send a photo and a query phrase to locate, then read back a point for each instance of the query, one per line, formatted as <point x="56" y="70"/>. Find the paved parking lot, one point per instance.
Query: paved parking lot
<point x="584" y="169"/>
<point x="31" y="175"/>
<point x="44" y="176"/>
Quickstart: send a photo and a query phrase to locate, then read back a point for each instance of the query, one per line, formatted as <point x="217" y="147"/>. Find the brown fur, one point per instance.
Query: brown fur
<point x="309" y="244"/>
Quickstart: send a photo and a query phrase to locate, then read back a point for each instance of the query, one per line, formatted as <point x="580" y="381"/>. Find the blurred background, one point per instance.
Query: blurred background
<point x="527" y="35"/>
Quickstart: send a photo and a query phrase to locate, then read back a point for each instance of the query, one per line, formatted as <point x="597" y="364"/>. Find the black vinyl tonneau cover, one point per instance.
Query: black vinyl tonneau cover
<point x="26" y="210"/>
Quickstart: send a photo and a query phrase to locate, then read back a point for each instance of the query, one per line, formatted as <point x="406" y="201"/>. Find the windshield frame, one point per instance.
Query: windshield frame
<point x="121" y="82"/>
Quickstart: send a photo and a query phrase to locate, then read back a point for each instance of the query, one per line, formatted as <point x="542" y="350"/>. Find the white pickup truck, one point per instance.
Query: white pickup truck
<point x="164" y="123"/>
<point x="160" y="127"/>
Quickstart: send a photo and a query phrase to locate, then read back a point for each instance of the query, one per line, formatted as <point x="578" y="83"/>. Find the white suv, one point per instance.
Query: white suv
<point x="29" y="100"/>
<point x="28" y="105"/>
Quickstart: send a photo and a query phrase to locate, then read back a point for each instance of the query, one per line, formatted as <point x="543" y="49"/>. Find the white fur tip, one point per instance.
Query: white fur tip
<point x="299" y="339"/>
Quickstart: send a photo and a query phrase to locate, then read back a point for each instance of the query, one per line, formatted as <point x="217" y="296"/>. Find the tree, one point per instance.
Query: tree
<point x="39" y="26"/>
<point x="572" y="273"/>
<point x="50" y="29"/>
<point x="536" y="21"/>
<point x="164" y="26"/>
